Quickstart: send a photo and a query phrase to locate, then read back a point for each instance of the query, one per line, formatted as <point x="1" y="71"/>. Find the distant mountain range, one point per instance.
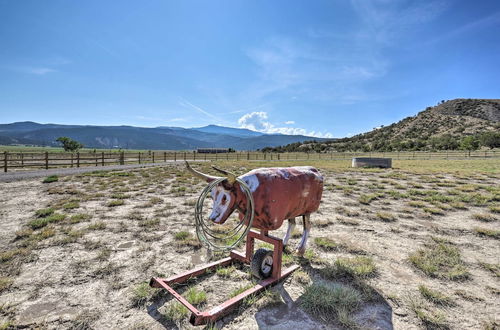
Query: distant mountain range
<point x="130" y="137"/>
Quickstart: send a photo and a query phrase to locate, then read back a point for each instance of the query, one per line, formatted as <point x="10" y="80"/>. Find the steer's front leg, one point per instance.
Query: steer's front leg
<point x="291" y="227"/>
<point x="307" y="228"/>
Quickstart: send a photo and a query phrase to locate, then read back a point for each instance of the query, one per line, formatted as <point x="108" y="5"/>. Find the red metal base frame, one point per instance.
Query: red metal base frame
<point x="199" y="318"/>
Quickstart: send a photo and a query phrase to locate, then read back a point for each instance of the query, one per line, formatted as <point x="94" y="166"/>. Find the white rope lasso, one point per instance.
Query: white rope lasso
<point x="234" y="236"/>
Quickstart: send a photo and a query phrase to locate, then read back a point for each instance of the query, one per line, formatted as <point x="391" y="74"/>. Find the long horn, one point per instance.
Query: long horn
<point x="200" y="175"/>
<point x="231" y="177"/>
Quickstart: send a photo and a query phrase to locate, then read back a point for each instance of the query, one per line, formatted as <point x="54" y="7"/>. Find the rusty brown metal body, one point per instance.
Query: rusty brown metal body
<point x="199" y="317"/>
<point x="281" y="193"/>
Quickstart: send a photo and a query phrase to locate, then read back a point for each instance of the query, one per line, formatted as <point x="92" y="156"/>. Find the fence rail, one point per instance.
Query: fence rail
<point x="46" y="160"/>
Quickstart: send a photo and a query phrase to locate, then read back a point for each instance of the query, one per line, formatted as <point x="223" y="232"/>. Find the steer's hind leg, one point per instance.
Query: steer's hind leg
<point x="307" y="228"/>
<point x="291" y="227"/>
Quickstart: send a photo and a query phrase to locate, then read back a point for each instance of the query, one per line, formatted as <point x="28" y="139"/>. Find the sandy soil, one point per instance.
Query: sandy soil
<point x="84" y="271"/>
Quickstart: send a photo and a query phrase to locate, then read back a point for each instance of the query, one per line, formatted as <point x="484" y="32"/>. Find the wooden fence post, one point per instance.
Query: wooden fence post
<point x="194" y="155"/>
<point x="175" y="156"/>
<point x="77" y="159"/>
<point x="184" y="155"/>
<point x="139" y="157"/>
<point x="46" y="160"/>
<point x="102" y="158"/>
<point x="5" y="153"/>
<point x="165" y="156"/>
<point x="22" y="158"/>
<point x="153" y="155"/>
<point x="71" y="159"/>
<point x="122" y="158"/>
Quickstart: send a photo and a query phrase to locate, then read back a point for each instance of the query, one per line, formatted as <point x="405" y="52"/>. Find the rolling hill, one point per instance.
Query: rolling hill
<point x="130" y="137"/>
<point x="443" y="126"/>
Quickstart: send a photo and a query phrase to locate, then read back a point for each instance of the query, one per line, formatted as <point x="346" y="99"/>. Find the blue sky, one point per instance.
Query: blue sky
<point x="322" y="68"/>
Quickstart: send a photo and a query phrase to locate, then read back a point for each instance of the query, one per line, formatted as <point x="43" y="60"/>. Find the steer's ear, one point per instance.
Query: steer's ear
<point x="231" y="177"/>
<point x="203" y="176"/>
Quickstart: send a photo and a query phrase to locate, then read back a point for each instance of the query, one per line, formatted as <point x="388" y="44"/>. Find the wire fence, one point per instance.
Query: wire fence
<point x="46" y="160"/>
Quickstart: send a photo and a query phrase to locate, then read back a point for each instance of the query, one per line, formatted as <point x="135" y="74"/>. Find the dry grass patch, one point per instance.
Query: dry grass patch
<point x="485" y="217"/>
<point x="440" y="260"/>
<point x="186" y="239"/>
<point x="494" y="268"/>
<point x="481" y="231"/>
<point x="368" y="198"/>
<point x="116" y="202"/>
<point x="385" y="216"/>
<point x="418" y="204"/>
<point x="431" y="319"/>
<point x="433" y="210"/>
<point x="494" y="208"/>
<point x="5" y="283"/>
<point x="99" y="225"/>
<point x="347" y="221"/>
<point x="8" y="255"/>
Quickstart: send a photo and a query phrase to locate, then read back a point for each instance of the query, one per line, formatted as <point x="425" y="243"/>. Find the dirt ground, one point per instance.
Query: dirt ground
<point x="88" y="267"/>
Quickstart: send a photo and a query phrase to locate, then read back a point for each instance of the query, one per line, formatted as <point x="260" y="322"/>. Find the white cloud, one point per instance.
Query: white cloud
<point x="289" y="122"/>
<point x="258" y="121"/>
<point x="39" y="71"/>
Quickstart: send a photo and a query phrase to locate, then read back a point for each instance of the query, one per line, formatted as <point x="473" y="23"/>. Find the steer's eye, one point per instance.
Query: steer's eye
<point x="224" y="199"/>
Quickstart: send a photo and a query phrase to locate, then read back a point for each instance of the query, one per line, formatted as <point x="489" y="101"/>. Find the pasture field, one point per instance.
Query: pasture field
<point x="414" y="247"/>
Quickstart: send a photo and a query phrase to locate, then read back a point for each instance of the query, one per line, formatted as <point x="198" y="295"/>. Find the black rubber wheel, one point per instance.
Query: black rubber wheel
<point x="262" y="263"/>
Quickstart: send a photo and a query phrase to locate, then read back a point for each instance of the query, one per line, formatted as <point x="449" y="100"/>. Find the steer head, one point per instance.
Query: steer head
<point x="226" y="195"/>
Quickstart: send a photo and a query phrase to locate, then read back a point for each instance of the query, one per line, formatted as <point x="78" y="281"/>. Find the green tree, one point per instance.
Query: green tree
<point x="469" y="143"/>
<point x="490" y="139"/>
<point x="69" y="144"/>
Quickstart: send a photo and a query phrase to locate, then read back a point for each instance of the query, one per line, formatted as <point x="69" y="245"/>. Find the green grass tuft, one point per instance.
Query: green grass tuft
<point x="434" y="296"/>
<point x="42" y="222"/>
<point x="71" y="205"/>
<point x="240" y="289"/>
<point x="141" y="294"/>
<point x="42" y="213"/>
<point x="440" y="260"/>
<point x="225" y="272"/>
<point x="358" y="267"/>
<point x="332" y="301"/>
<point x="325" y="243"/>
<point x="195" y="296"/>
<point x="182" y="235"/>
<point x="51" y="178"/>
